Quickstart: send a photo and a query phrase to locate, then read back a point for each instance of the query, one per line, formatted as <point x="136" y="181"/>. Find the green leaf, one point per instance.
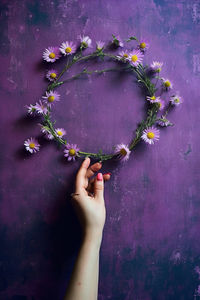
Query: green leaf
<point x="132" y="38"/>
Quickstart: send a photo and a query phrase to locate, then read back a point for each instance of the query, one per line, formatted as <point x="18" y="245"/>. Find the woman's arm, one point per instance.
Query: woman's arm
<point x="91" y="212"/>
<point x="84" y="280"/>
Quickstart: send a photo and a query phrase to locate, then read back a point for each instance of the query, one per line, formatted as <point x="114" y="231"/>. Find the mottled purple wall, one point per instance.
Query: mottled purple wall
<point x="151" y="244"/>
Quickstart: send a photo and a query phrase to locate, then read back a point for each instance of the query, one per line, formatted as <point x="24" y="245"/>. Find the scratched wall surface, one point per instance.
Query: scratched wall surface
<point x="150" y="246"/>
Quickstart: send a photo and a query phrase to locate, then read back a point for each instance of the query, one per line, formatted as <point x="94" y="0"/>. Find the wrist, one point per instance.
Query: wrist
<point x="93" y="238"/>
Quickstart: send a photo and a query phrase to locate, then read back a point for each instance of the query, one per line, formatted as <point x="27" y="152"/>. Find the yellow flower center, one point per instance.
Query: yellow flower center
<point x="68" y="50"/>
<point x="177" y="100"/>
<point x="59" y="132"/>
<point x="134" y="58"/>
<point x="167" y="83"/>
<point x="51" y="98"/>
<point x="123" y="152"/>
<point x="84" y="44"/>
<point x="53" y="75"/>
<point x="72" y="152"/>
<point x="142" y="45"/>
<point x="153" y="98"/>
<point x="32" y="145"/>
<point x="150" y="135"/>
<point x="125" y="55"/>
<point x="159" y="104"/>
<point x="52" y="55"/>
<point x="158" y="70"/>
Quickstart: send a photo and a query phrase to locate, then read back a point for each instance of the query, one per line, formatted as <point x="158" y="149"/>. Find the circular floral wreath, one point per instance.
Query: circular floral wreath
<point x="147" y="76"/>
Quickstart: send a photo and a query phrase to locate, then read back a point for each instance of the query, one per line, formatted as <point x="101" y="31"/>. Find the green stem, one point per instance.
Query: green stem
<point x="167" y="110"/>
<point x="150" y="120"/>
<point x="68" y="66"/>
<point x="51" y="128"/>
<point x="96" y="155"/>
<point x="133" y="143"/>
<point x="89" y="72"/>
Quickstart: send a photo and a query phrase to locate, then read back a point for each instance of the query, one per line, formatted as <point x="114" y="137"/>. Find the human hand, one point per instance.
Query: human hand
<point x="88" y="200"/>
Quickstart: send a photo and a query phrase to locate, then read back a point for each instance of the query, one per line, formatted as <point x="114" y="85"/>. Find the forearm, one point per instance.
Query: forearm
<point x="83" y="284"/>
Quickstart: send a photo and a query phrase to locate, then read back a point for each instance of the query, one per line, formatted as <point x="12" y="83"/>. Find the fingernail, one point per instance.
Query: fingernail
<point x="107" y="173"/>
<point x="99" y="176"/>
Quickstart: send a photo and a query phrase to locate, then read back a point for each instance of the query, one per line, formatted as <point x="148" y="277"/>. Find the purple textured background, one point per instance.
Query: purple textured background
<point x="151" y="247"/>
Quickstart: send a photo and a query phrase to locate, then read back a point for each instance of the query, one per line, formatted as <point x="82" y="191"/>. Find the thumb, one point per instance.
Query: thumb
<point x="99" y="187"/>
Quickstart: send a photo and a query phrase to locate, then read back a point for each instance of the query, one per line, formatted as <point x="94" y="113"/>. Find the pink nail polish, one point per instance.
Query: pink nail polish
<point x="107" y="173"/>
<point x="99" y="176"/>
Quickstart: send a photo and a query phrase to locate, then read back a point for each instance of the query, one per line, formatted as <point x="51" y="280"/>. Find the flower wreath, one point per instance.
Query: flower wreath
<point x="131" y="60"/>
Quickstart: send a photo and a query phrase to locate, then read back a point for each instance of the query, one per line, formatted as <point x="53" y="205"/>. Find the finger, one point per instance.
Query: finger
<point x="81" y="182"/>
<point x="106" y="177"/>
<point x="93" y="169"/>
<point x="99" y="187"/>
<point x="90" y="187"/>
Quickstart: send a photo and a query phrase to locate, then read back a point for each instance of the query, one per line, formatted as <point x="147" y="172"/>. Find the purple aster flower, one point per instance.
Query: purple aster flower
<point x="60" y="132"/>
<point x="123" y="56"/>
<point x="161" y="104"/>
<point x="136" y="57"/>
<point x="85" y="41"/>
<point x="41" y="108"/>
<point x="31" y="109"/>
<point x="46" y="131"/>
<point x="153" y="99"/>
<point x="32" y="145"/>
<point x="71" y="151"/>
<point x="51" y="97"/>
<point x="51" y="54"/>
<point x="99" y="45"/>
<point x="156" y="66"/>
<point x="176" y="100"/>
<point x="167" y="85"/>
<point x="163" y="122"/>
<point x="150" y="135"/>
<point x="123" y="151"/>
<point x="52" y="75"/>
<point x="117" y="41"/>
<point x="67" y="48"/>
<point x="143" y="45"/>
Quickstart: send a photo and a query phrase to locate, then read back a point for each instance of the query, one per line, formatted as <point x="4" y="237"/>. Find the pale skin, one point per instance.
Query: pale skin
<point x="88" y="202"/>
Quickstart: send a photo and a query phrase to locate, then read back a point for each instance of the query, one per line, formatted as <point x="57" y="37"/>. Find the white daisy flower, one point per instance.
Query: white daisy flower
<point x="99" y="45"/>
<point x="85" y="41"/>
<point x="123" y="56"/>
<point x="156" y="66"/>
<point x="136" y="57"/>
<point x="150" y="135"/>
<point x="51" y="54"/>
<point x="122" y="151"/>
<point x="176" y="100"/>
<point x="41" y="108"/>
<point x="52" y="75"/>
<point x="153" y="99"/>
<point x="31" y="109"/>
<point x="51" y="97"/>
<point x="60" y="132"/>
<point x="67" y="48"/>
<point x="32" y="145"/>
<point x="167" y="84"/>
